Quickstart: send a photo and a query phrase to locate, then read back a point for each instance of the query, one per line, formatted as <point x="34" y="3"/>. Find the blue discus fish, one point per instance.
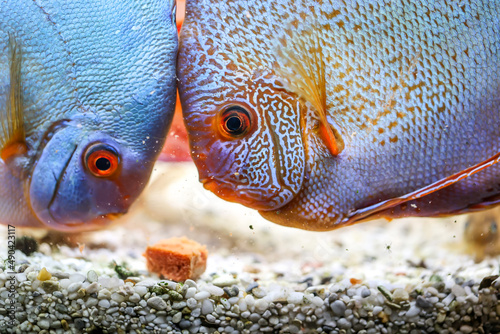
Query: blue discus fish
<point x="87" y="94"/>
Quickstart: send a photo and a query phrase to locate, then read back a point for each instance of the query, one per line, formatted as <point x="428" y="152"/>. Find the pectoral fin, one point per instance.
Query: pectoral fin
<point x="303" y="67"/>
<point x="12" y="141"/>
<point x="371" y="212"/>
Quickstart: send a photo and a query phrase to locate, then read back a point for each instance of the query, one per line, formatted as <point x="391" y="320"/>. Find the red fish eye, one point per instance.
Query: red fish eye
<point x="235" y="121"/>
<point x="102" y="162"/>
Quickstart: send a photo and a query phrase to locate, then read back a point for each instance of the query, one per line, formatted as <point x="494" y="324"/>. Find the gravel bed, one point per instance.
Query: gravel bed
<point x="409" y="276"/>
<point x="233" y="303"/>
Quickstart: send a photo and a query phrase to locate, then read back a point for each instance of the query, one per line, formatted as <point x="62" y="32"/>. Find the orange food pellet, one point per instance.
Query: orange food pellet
<point x="177" y="259"/>
<point x="355" y="281"/>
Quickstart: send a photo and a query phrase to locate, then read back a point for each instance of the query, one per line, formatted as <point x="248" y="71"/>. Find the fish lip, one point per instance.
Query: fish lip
<point x="227" y="193"/>
<point x="209" y="183"/>
<point x="100" y="222"/>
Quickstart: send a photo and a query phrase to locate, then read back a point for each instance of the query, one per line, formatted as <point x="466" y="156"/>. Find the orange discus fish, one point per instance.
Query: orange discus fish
<point x="320" y="114"/>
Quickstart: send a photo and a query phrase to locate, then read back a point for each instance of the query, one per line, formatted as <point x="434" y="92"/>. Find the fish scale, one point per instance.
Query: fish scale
<point x="94" y="73"/>
<point x="411" y="87"/>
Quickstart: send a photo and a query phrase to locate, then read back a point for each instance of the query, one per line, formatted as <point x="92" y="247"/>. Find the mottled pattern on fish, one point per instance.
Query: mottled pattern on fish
<point x="90" y="71"/>
<point x="412" y="88"/>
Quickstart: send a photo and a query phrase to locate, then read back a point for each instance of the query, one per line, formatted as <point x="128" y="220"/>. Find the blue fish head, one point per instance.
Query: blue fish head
<point x="85" y="180"/>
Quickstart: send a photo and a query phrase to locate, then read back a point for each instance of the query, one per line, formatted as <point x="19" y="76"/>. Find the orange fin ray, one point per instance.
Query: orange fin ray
<point x="12" y="139"/>
<point x="328" y="137"/>
<point x="303" y="67"/>
<point x="371" y="211"/>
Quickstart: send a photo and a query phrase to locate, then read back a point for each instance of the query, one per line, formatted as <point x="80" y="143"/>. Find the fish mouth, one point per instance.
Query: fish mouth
<point x="230" y="194"/>
<point x="100" y="222"/>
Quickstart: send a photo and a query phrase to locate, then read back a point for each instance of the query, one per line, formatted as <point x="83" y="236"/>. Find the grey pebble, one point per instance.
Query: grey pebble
<point x="44" y="323"/>
<point x="254" y="317"/>
<point x="423" y="303"/>
<point x="79" y="324"/>
<point x="338" y="308"/>
<point x="251" y="286"/>
<point x="344" y="323"/>
<point x="365" y="292"/>
<point x="232" y="291"/>
<point x="58" y="294"/>
<point x="61" y="308"/>
<point x="185" y="324"/>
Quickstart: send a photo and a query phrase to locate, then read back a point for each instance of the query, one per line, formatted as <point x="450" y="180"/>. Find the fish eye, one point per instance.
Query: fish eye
<point x="102" y="160"/>
<point x="235" y="121"/>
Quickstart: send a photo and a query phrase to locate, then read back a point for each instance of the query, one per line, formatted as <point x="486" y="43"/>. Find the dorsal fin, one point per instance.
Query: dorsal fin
<point x="303" y="66"/>
<point x="12" y="142"/>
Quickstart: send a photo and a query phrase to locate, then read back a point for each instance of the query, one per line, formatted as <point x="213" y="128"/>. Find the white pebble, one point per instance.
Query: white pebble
<point x="92" y="276"/>
<point x="141" y="290"/>
<point x="259" y="292"/>
<point x="135" y="298"/>
<point x="202" y="295"/>
<point x="400" y="295"/>
<point x="104" y="303"/>
<point x="214" y="290"/>
<point x="104" y="294"/>
<point x="377" y="309"/>
<point x="157" y="303"/>
<point x="73" y="287"/>
<point x="234" y="300"/>
<point x="225" y="280"/>
<point x="317" y="301"/>
<point x="191" y="303"/>
<point x="242" y="304"/>
<point x="146" y="283"/>
<point x="21" y="277"/>
<point x="191" y="283"/>
<point x="94" y="287"/>
<point x="458" y="291"/>
<point x="413" y="311"/>
<point x="118" y="297"/>
<point x="207" y="307"/>
<point x="448" y="299"/>
<point x="295" y="298"/>
<point x="91" y="302"/>
<point x="196" y="312"/>
<point x="250" y="300"/>
<point x="64" y="283"/>
<point x="261" y="304"/>
<point x="177" y="317"/>
<point x="77" y="278"/>
<point x="190" y="292"/>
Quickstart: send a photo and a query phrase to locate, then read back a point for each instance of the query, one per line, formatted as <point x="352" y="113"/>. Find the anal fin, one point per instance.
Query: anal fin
<point x="372" y="211"/>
